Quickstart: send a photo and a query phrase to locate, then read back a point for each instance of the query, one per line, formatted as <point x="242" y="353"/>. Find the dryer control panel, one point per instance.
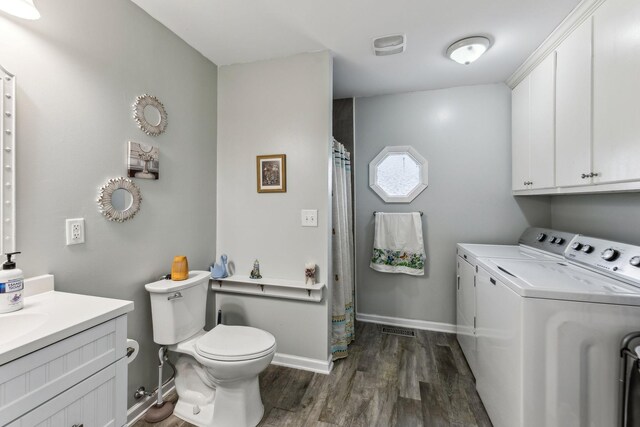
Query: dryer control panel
<point x="615" y="259"/>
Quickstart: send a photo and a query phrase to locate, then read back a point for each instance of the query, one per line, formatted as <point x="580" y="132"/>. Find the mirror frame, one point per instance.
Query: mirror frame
<point x="106" y="205"/>
<point x="404" y="149"/>
<point x="139" y="105"/>
<point x="8" y="161"/>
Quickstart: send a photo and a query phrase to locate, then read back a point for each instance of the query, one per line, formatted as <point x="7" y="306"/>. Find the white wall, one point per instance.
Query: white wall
<point x="281" y="106"/>
<point x="465" y="134"/>
<point x="79" y="69"/>
<point x="609" y="216"/>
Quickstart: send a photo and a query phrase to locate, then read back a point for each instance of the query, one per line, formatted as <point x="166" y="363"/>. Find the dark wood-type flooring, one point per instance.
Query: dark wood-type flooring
<point x="387" y="380"/>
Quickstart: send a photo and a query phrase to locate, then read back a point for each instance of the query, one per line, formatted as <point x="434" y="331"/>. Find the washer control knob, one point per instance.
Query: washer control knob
<point x="587" y="249"/>
<point x="576" y="246"/>
<point x="540" y="237"/>
<point x="635" y="261"/>
<point x="610" y="254"/>
<point x="559" y="241"/>
<point x="552" y="239"/>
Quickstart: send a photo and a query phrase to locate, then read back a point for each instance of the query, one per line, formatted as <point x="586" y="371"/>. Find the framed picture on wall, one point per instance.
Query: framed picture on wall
<point x="272" y="173"/>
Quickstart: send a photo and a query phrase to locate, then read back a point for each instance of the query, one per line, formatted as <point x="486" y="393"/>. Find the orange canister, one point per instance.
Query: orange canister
<point x="180" y="268"/>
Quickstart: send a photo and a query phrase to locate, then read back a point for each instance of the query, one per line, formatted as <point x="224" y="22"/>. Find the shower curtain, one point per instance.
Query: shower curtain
<point x="342" y="319"/>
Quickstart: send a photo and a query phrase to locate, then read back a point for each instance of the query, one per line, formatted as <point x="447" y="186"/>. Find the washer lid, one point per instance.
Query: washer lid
<point x="235" y="343"/>
<point x="560" y="280"/>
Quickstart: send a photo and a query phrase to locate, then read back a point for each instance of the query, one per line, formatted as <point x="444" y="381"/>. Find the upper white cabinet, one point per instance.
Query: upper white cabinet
<point x="616" y="84"/>
<point x="576" y="115"/>
<point x="573" y="108"/>
<point x="533" y="128"/>
<point x="520" y="135"/>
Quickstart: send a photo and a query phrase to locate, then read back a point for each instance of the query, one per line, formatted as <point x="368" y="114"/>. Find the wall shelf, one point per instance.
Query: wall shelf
<point x="269" y="287"/>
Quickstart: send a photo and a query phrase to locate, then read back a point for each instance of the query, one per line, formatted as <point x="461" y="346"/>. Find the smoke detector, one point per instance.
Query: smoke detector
<point x="389" y="45"/>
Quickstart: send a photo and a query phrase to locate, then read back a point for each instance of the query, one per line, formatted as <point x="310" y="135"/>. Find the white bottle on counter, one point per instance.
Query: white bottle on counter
<point x="11" y="286"/>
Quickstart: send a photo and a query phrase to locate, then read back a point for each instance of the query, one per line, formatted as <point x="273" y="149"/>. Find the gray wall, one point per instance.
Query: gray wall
<point x="610" y="216"/>
<point x="465" y="134"/>
<point x="279" y="106"/>
<point x="79" y="69"/>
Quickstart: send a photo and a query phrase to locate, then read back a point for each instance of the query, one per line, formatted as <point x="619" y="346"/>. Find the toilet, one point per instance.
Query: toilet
<point x="217" y="371"/>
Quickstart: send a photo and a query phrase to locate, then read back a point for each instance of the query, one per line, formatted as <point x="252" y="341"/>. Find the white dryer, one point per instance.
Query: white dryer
<point x="534" y="244"/>
<point x="548" y="334"/>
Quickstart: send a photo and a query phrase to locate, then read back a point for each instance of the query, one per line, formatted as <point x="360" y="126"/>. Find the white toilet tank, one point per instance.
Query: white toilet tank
<point x="178" y="308"/>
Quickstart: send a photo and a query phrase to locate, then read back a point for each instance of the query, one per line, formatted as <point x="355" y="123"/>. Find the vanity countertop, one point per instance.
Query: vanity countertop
<point x="53" y="316"/>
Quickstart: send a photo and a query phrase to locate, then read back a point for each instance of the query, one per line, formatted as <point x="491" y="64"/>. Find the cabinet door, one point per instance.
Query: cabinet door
<point x="542" y="124"/>
<point x="98" y="401"/>
<point x="466" y="311"/>
<point x="616" y="85"/>
<point x="520" y="135"/>
<point x="573" y="108"/>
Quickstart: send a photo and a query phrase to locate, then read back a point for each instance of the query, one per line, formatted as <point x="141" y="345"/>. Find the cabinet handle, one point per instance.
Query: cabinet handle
<point x="592" y="174"/>
<point x="78" y="425"/>
<point x="458" y="282"/>
<point x="493" y="281"/>
<point x="585" y="175"/>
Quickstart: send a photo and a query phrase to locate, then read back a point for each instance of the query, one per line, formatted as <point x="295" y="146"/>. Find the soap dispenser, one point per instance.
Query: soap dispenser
<point x="11" y="286"/>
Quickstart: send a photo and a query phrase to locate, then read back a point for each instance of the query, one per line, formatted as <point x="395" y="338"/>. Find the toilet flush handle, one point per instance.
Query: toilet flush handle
<point x="174" y="296"/>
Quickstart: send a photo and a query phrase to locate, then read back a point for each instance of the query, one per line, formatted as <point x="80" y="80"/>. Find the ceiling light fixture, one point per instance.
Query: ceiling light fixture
<point x="21" y="8"/>
<point x="467" y="50"/>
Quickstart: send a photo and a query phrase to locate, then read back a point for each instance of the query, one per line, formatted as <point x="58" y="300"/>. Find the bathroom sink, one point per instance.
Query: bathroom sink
<point x="15" y="325"/>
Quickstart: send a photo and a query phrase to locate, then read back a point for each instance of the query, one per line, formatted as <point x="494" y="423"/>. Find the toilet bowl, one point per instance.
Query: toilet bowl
<point x="217" y="371"/>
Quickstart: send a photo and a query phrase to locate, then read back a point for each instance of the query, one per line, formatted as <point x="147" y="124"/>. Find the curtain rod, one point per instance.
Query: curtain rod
<point x="375" y="212"/>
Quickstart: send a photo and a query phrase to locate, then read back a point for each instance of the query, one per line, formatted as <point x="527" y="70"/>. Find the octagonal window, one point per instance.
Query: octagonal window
<point x="398" y="174"/>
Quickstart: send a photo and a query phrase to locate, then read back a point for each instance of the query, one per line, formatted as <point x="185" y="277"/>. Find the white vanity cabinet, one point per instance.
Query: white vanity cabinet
<point x="80" y="380"/>
<point x="573" y="108"/>
<point x="466" y="310"/>
<point x="533" y="129"/>
<point x="616" y="111"/>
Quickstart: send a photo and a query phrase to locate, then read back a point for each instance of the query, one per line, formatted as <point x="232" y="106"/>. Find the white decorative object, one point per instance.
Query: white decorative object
<point x="119" y="199"/>
<point x="398" y="174"/>
<point x="150" y="115"/>
<point x="310" y="273"/>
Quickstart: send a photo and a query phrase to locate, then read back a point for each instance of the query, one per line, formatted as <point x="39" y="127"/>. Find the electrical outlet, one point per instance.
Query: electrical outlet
<point x="309" y="217"/>
<point x="75" y="231"/>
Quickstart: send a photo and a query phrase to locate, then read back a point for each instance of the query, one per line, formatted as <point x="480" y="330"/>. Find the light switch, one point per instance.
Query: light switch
<point x="309" y="217"/>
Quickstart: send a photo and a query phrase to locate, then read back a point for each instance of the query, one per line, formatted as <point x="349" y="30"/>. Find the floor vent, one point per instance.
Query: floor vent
<point x="397" y="330"/>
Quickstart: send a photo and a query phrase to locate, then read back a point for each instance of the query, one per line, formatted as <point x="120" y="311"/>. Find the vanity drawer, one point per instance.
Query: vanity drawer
<point x="31" y="380"/>
<point x="100" y="400"/>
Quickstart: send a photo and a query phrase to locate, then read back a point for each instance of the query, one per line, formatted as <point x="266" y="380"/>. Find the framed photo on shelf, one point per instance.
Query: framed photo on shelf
<point x="272" y="173"/>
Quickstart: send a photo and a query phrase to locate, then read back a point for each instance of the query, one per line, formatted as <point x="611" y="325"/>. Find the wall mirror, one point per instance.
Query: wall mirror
<point x="8" y="161"/>
<point x="150" y="115"/>
<point x="119" y="199"/>
<point x="398" y="174"/>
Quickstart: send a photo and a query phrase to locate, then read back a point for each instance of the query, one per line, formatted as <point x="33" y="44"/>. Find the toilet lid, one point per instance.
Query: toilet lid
<point x="235" y="343"/>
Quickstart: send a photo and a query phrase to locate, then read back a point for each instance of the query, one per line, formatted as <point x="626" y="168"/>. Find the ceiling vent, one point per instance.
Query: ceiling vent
<point x="389" y="45"/>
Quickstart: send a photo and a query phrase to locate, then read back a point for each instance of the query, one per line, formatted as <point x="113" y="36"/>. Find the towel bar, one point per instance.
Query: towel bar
<point x="375" y="212"/>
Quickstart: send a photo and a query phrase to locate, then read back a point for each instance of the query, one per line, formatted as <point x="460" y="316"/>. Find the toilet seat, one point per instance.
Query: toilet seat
<point x="235" y="343"/>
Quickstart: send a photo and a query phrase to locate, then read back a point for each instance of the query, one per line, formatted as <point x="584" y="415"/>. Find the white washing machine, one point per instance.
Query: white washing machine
<point x="548" y="334"/>
<point x="534" y="244"/>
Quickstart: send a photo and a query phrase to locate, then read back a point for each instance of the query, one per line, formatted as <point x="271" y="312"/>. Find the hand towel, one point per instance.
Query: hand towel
<point x="398" y="246"/>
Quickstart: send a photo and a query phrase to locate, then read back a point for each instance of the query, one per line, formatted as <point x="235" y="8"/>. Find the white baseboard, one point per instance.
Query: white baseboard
<point x="137" y="411"/>
<point x="303" y="363"/>
<point x="407" y="323"/>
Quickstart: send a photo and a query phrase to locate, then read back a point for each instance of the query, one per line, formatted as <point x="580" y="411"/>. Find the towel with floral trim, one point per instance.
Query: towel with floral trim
<point x="398" y="246"/>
